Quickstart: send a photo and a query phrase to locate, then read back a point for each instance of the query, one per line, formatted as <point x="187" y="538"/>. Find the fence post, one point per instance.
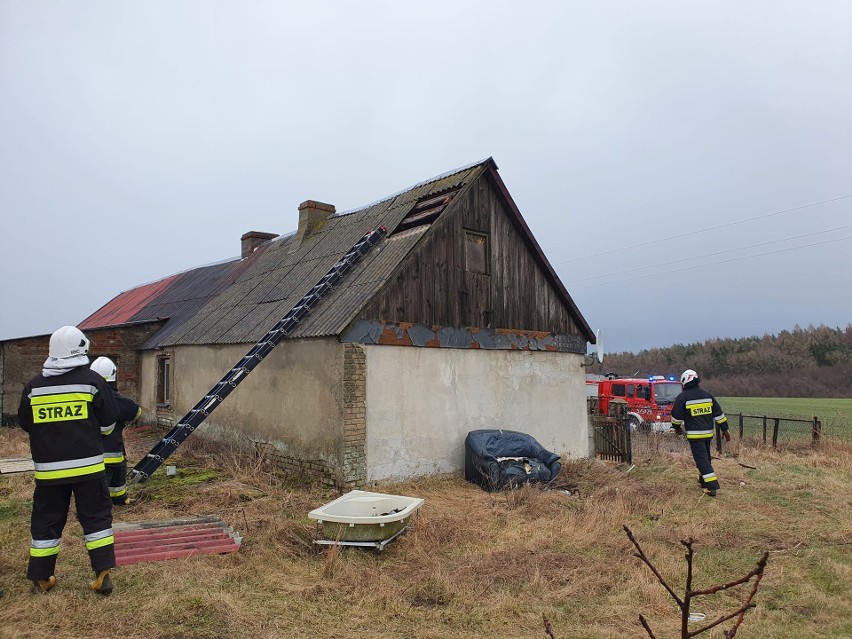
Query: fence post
<point x="817" y="431"/>
<point x="775" y="433"/>
<point x="741" y="425"/>
<point x="764" y="429"/>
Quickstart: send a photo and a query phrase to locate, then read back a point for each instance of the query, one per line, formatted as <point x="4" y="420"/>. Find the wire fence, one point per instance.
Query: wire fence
<point x="775" y="430"/>
<point x="747" y="431"/>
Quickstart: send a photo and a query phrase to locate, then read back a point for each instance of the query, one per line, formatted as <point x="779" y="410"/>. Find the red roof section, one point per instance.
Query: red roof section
<point x="162" y="541"/>
<point x="125" y="306"/>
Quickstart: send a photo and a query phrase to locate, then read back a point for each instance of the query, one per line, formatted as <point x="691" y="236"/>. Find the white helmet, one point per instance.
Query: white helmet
<point x="104" y="367"/>
<point x="688" y="376"/>
<point x="68" y="341"/>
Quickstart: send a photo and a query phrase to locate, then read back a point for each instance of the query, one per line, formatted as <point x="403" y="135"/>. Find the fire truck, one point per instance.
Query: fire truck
<point x="649" y="399"/>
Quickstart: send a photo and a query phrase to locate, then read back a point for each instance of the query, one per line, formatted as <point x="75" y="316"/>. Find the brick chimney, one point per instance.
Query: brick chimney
<point x="312" y="218"/>
<point x="251" y="240"/>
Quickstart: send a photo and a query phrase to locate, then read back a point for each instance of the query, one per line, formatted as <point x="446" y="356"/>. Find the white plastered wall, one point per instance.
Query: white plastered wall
<point x="292" y="398"/>
<point x="421" y="403"/>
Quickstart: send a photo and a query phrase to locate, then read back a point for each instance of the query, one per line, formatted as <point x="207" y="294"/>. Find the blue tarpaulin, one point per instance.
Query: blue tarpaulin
<point x="497" y="459"/>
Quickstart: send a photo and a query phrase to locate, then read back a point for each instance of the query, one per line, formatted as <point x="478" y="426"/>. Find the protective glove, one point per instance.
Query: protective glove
<point x="678" y="430"/>
<point x="726" y="435"/>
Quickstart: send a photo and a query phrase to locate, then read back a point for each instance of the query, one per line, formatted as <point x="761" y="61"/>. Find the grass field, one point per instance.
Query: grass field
<point x="473" y="564"/>
<point x="835" y="414"/>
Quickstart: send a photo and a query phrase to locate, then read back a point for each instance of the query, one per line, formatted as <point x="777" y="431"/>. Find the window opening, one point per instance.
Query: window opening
<point x="164" y="387"/>
<point x="476" y="252"/>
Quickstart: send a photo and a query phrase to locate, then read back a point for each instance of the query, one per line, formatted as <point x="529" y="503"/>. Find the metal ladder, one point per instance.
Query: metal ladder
<point x="193" y="419"/>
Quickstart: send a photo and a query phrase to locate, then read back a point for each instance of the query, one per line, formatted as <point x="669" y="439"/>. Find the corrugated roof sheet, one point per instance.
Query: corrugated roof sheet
<point x="178" y="298"/>
<point x="124" y="307"/>
<point x="238" y="301"/>
<point x="286" y="269"/>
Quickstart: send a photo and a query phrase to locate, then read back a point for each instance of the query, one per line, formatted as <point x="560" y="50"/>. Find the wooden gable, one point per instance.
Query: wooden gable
<point x="477" y="266"/>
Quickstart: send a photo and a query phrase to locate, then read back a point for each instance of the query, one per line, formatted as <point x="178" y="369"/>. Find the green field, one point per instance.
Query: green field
<point x="835" y="414"/>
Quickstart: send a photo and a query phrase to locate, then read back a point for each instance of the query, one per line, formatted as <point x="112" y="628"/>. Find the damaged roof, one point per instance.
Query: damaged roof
<point x="176" y="298"/>
<point x="238" y="301"/>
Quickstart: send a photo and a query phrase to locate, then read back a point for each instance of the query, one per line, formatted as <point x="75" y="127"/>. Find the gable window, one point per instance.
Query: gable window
<point x="476" y="252"/>
<point x="164" y="381"/>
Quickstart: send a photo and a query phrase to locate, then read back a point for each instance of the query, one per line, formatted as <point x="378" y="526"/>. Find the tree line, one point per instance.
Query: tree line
<point x="804" y="362"/>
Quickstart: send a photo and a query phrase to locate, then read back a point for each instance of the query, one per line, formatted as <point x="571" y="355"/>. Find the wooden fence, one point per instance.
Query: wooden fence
<point x="611" y="432"/>
<point x="771" y="429"/>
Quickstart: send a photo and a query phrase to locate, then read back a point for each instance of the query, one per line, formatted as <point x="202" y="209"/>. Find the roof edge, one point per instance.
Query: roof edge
<point x="551" y="273"/>
<point x="486" y="161"/>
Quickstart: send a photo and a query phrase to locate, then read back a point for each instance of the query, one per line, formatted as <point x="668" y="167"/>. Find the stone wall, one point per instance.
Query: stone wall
<point x="23" y="359"/>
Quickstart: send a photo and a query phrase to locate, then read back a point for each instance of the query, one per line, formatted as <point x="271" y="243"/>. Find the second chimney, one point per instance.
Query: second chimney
<point x="312" y="218"/>
<point x="251" y="240"/>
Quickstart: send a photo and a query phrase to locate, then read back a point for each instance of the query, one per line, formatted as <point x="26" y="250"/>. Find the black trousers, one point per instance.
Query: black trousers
<point x="50" y="512"/>
<point x="116" y="478"/>
<point x="701" y="455"/>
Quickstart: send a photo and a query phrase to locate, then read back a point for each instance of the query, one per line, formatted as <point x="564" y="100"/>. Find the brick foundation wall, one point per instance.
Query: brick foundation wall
<point x="311" y="470"/>
<point x="354" y="471"/>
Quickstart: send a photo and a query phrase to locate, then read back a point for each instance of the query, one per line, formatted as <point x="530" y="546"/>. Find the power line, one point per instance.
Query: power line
<point x="700" y="257"/>
<point x="711" y="228"/>
<point x="735" y="259"/>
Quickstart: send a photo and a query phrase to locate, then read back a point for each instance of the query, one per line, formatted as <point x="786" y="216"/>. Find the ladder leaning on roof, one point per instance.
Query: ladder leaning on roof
<point x="193" y="419"/>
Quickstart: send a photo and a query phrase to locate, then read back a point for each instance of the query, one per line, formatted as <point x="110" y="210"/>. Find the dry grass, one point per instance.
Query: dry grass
<point x="472" y="564"/>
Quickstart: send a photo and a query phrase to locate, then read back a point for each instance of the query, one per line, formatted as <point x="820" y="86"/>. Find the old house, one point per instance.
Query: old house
<point x="455" y="321"/>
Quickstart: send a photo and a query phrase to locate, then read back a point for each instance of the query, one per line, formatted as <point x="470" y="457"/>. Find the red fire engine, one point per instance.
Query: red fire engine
<point x="649" y="399"/>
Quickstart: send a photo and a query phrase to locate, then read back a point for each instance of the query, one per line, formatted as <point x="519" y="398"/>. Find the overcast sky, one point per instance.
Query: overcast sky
<point x="654" y="148"/>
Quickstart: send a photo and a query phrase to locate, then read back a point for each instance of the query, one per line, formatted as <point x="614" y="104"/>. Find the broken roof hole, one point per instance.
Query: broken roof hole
<point x="426" y="210"/>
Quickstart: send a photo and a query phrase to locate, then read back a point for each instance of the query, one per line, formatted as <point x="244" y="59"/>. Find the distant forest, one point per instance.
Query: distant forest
<point x="804" y="362"/>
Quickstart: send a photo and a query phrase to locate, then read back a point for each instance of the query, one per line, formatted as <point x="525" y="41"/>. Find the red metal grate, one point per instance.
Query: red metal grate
<point x="157" y="541"/>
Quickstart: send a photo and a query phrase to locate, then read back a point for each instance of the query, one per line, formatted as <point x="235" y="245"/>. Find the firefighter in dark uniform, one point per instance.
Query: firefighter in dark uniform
<point x="114" y="459"/>
<point x="67" y="410"/>
<point x="698" y="413"/>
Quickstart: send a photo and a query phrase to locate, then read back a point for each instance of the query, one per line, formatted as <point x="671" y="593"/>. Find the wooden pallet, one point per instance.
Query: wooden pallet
<point x="11" y="465"/>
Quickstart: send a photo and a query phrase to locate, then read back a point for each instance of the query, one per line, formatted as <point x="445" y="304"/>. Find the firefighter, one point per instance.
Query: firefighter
<point x="67" y="410"/>
<point x="697" y="411"/>
<point x="128" y="410"/>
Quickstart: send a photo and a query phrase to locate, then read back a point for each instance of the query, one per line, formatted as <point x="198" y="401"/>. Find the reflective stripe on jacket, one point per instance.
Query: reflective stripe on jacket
<point x="697" y="412"/>
<point x="66" y="417"/>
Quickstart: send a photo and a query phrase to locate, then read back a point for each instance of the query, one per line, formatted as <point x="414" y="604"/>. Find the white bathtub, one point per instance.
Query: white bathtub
<point x="363" y="516"/>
